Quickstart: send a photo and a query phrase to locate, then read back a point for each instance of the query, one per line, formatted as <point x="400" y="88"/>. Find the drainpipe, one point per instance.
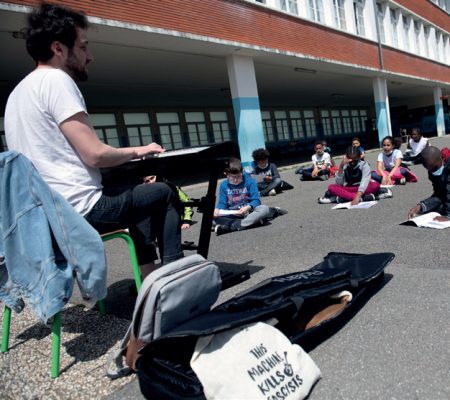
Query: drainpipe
<point x="380" y="47"/>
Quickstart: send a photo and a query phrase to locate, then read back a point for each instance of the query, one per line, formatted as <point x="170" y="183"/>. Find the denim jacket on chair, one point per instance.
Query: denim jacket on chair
<point x="45" y="242"/>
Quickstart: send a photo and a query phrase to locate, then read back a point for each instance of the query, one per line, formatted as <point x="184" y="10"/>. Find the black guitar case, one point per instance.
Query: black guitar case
<point x="308" y="305"/>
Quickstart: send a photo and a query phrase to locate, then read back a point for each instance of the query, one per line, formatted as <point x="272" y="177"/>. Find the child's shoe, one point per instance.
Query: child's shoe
<point x="272" y="192"/>
<point x="327" y="200"/>
<point x="402" y="181"/>
<point x="384" y="193"/>
<point x="368" y="197"/>
<point x="221" y="229"/>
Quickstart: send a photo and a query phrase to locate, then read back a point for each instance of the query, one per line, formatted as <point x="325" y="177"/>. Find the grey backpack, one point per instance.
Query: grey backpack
<point x="170" y="295"/>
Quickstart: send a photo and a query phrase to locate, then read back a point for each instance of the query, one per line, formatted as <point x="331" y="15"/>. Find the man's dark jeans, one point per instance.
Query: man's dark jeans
<point x="148" y="210"/>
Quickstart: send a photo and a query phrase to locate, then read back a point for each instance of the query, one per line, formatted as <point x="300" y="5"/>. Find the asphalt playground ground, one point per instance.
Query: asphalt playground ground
<point x="396" y="347"/>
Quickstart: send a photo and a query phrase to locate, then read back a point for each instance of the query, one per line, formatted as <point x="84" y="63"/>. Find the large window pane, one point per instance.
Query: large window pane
<point x="297" y="124"/>
<point x="220" y="126"/>
<point x="282" y="125"/>
<point x="170" y="130"/>
<point x="105" y="127"/>
<point x="138" y="128"/>
<point x="196" y="128"/>
<point x="310" y="123"/>
<point x="268" y="126"/>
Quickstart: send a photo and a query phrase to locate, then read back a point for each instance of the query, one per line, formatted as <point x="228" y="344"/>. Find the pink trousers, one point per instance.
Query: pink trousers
<point x="348" y="192"/>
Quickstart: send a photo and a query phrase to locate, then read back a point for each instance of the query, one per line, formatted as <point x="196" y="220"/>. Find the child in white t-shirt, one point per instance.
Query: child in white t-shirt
<point x="321" y="164"/>
<point x="416" y="144"/>
<point x="389" y="171"/>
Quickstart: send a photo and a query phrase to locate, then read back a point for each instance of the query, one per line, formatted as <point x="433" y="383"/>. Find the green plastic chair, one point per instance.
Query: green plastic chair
<point x="56" y="328"/>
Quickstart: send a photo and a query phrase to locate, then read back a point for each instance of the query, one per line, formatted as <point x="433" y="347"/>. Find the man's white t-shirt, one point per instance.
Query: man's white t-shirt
<point x="417" y="147"/>
<point x="323" y="161"/>
<point x="37" y="106"/>
<point x="389" y="160"/>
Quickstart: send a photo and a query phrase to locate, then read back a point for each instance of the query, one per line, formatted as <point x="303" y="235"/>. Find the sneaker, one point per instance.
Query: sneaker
<point x="368" y="197"/>
<point x="280" y="211"/>
<point x="402" y="181"/>
<point x="221" y="229"/>
<point x="340" y="200"/>
<point x="327" y="200"/>
<point x="384" y="193"/>
<point x="272" y="192"/>
<point x="301" y="178"/>
<point x="323" y="177"/>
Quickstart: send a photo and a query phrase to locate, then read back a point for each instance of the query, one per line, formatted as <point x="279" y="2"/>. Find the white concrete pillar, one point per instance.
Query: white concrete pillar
<point x="382" y="108"/>
<point x="439" y="109"/>
<point x="247" y="112"/>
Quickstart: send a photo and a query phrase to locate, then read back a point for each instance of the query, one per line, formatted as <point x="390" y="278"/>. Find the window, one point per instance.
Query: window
<point x="196" y="126"/>
<point x="105" y="126"/>
<point x="426" y="32"/>
<point x="289" y="6"/>
<point x="380" y="20"/>
<point x="297" y="124"/>
<point x="337" y="124"/>
<point x="220" y="126"/>
<point x="282" y="124"/>
<point x="394" y="22"/>
<point x="138" y="128"/>
<point x="358" y="7"/>
<point x="405" y="21"/>
<point x="356" y="121"/>
<point x="417" y="36"/>
<point x="326" y="122"/>
<point x="169" y="129"/>
<point x="267" y="126"/>
<point x="346" y="122"/>
<point x="316" y="10"/>
<point x="310" y="123"/>
<point x="339" y="14"/>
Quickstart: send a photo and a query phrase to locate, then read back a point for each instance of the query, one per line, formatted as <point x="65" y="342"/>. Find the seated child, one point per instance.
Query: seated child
<point x="270" y="182"/>
<point x="186" y="212"/>
<point x="389" y="171"/>
<point x="327" y="149"/>
<point x="416" y="144"/>
<point x="321" y="164"/>
<point x="357" y="143"/>
<point x="238" y="193"/>
<point x="353" y="181"/>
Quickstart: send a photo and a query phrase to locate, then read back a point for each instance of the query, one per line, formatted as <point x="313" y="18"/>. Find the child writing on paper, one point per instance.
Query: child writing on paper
<point x="238" y="192"/>
<point x="271" y="181"/>
<point x="416" y="144"/>
<point x="353" y="181"/>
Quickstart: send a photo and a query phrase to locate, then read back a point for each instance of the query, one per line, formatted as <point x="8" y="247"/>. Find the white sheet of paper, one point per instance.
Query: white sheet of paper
<point x="362" y="204"/>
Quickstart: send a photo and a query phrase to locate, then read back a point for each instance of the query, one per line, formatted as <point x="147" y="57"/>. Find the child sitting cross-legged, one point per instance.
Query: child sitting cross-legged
<point x="239" y="206"/>
<point x="353" y="182"/>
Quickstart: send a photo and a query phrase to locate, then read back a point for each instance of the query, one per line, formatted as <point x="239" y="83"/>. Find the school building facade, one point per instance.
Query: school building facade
<point x="270" y="73"/>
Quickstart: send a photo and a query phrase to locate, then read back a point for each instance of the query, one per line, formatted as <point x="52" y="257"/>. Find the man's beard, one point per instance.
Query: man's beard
<point x="75" y="70"/>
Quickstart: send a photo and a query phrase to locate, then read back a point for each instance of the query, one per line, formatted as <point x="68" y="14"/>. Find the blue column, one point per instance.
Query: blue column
<point x="439" y="111"/>
<point x="382" y="108"/>
<point x="247" y="111"/>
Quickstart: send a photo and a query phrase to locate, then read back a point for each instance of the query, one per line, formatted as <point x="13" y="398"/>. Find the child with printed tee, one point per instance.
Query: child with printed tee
<point x="389" y="171"/>
<point x="239" y="198"/>
<point x="353" y="181"/>
<point x="321" y="164"/>
<point x="271" y="181"/>
<point x="357" y="143"/>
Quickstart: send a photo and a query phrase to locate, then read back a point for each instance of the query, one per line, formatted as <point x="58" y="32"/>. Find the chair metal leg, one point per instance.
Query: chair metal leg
<point x="56" y="342"/>
<point x="132" y="251"/>
<point x="6" y="326"/>
<point x="102" y="306"/>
